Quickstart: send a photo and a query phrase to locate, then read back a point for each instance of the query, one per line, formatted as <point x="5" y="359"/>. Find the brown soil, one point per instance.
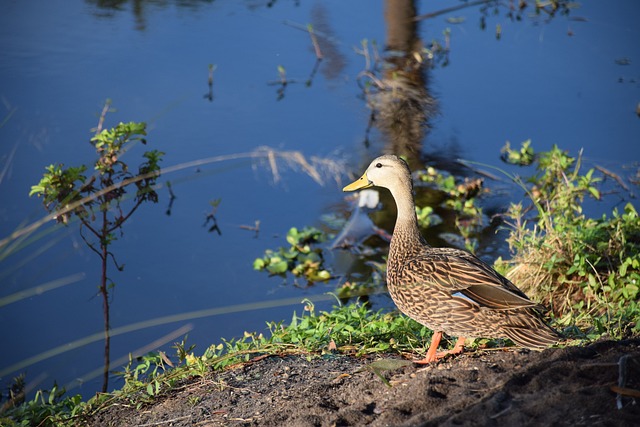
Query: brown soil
<point x="558" y="387"/>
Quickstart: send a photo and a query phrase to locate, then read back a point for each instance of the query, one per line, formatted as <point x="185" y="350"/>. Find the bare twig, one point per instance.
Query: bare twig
<point x="154" y="345"/>
<point x="451" y="9"/>
<point x="172" y="198"/>
<point x="158" y="423"/>
<point x="103" y="114"/>
<point x="255" y="228"/>
<point x="314" y="40"/>
<point x="478" y="170"/>
<point x="613" y="175"/>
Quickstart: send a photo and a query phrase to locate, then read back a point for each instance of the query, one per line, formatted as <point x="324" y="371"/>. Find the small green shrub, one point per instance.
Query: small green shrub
<point x="586" y="269"/>
<point x="99" y="203"/>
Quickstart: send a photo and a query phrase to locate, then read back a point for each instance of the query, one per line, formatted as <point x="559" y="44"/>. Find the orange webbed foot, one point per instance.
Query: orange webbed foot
<point x="433" y="355"/>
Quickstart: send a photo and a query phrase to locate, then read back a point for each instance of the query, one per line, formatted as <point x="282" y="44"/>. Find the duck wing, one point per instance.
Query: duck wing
<point x="463" y="275"/>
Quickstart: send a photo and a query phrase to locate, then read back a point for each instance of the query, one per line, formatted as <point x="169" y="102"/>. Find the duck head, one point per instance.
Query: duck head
<point x="388" y="171"/>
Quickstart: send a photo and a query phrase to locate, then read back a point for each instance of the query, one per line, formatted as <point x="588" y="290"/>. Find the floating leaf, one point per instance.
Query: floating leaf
<point x="278" y="267"/>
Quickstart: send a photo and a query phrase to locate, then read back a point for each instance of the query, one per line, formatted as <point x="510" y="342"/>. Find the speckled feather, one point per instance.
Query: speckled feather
<point x="447" y="289"/>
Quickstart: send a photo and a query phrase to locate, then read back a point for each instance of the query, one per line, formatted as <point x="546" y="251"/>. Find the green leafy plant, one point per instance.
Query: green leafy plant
<point x="100" y="203"/>
<point x="300" y="259"/>
<point x="47" y="408"/>
<point x="586" y="269"/>
<point x="347" y="329"/>
<point x="352" y="328"/>
<point x="145" y="378"/>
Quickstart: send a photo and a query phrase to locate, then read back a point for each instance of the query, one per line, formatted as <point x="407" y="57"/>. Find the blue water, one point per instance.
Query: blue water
<point x="60" y="60"/>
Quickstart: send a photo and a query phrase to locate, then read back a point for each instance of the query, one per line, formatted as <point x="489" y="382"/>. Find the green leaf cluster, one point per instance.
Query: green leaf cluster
<point x="145" y="372"/>
<point x="426" y="216"/>
<point x="461" y="196"/>
<point x="524" y="156"/>
<point x="301" y="258"/>
<point x="68" y="191"/>
<point x="61" y="188"/>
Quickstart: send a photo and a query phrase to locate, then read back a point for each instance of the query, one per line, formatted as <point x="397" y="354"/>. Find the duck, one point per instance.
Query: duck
<point x="449" y="290"/>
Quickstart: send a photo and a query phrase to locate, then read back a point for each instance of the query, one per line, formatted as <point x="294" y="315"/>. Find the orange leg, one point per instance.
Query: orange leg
<point x="433" y="354"/>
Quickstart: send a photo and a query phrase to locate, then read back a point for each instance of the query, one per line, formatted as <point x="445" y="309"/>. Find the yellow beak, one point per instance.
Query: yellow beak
<point x="362" y="182"/>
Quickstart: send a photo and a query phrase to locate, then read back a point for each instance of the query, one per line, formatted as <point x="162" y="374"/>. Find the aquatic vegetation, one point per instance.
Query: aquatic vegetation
<point x="301" y="258"/>
<point x="524" y="156"/>
<point x="462" y="197"/>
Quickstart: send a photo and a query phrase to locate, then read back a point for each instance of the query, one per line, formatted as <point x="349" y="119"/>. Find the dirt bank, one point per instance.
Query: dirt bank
<point x="570" y="386"/>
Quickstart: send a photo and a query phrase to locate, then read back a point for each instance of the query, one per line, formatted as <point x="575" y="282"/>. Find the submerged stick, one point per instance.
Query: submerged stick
<point x="613" y="175"/>
<point x="450" y="9"/>
<point x="314" y="40"/>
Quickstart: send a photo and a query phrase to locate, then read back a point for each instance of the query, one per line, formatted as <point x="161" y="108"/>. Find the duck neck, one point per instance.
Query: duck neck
<point x="406" y="234"/>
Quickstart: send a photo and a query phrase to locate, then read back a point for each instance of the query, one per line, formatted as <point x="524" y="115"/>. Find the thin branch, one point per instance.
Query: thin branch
<point x="452" y="9"/>
<point x="122" y="220"/>
<point x="172" y="198"/>
<point x="255" y="228"/>
<point x="103" y="115"/>
<point x="84" y="238"/>
<point x="113" y="258"/>
<point x="88" y="225"/>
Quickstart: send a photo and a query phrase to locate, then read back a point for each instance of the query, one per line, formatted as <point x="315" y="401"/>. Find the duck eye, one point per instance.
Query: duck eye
<point x="378" y="165"/>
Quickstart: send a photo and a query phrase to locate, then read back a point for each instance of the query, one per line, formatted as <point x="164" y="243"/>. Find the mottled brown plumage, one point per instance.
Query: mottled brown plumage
<point x="449" y="290"/>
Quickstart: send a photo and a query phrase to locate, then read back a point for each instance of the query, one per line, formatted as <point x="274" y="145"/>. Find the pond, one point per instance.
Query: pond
<point x="571" y="80"/>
